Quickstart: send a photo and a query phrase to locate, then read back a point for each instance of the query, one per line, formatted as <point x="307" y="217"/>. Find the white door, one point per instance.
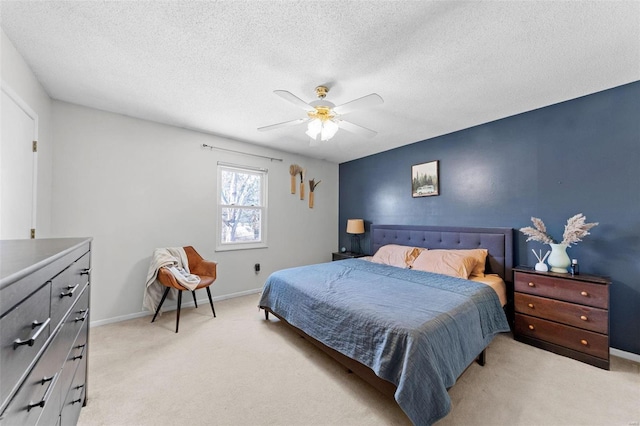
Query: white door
<point x="19" y="128"/>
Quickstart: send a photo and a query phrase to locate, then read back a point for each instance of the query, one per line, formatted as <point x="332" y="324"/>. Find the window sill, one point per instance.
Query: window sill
<point x="248" y="246"/>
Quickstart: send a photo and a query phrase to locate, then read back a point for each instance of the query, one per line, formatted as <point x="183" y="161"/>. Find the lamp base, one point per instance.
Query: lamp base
<point x="355" y="244"/>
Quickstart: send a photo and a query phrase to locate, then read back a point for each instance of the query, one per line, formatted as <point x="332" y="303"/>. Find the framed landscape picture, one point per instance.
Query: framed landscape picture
<point x="425" y="181"/>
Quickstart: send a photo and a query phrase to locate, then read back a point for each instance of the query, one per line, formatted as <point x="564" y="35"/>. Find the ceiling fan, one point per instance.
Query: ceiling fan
<point x="324" y="118"/>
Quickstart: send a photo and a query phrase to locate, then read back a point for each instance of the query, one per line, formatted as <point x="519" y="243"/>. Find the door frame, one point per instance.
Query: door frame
<point x="31" y="114"/>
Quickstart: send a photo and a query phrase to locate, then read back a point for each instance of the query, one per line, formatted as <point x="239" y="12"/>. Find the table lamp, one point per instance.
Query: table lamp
<point x="355" y="227"/>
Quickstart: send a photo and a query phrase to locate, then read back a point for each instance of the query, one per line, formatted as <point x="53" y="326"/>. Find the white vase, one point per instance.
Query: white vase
<point x="559" y="259"/>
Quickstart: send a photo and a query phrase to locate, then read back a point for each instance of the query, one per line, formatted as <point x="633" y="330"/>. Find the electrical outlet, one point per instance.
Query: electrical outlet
<point x="256" y="267"/>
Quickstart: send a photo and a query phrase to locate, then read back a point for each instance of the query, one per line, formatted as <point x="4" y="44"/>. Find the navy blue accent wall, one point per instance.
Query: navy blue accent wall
<point x="579" y="156"/>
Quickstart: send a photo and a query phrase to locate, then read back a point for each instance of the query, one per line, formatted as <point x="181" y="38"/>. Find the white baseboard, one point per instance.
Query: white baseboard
<point x="184" y="305"/>
<point x="626" y="355"/>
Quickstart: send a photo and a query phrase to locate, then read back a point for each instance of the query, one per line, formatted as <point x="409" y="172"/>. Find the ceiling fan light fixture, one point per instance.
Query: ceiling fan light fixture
<point x="324" y="118"/>
<point x="314" y="128"/>
<point x="326" y="129"/>
<point x="329" y="129"/>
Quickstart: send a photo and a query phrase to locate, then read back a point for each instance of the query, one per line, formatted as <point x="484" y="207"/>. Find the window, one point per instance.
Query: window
<point x="242" y="207"/>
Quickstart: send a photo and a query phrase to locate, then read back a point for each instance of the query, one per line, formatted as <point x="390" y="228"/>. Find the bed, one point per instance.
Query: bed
<point x="409" y="333"/>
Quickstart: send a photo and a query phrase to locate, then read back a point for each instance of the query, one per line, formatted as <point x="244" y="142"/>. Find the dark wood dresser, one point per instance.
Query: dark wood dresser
<point x="44" y="330"/>
<point x="565" y="314"/>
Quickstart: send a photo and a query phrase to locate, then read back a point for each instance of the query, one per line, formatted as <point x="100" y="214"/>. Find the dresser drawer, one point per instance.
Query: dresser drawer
<point x="585" y="341"/>
<point x="38" y="399"/>
<point x="580" y="316"/>
<point x="77" y="356"/>
<point x="75" y="397"/>
<point x="67" y="286"/>
<point x="78" y="316"/>
<point x="568" y="290"/>
<point x="19" y="326"/>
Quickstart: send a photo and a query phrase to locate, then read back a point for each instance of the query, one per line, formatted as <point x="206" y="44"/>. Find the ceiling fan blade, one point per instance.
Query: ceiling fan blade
<point x="358" y="130"/>
<point x="288" y="96"/>
<point x="360" y="103"/>
<point x="285" y="124"/>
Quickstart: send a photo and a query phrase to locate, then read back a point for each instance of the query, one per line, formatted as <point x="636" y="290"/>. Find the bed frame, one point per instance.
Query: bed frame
<point x="498" y="241"/>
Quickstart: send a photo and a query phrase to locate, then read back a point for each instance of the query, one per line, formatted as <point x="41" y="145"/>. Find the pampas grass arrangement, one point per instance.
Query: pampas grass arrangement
<point x="574" y="231"/>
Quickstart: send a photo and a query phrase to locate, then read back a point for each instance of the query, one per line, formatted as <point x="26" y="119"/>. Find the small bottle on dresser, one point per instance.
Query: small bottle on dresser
<point x="575" y="268"/>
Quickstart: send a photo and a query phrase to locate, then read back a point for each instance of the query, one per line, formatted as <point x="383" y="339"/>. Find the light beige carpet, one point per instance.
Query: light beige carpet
<point x="239" y="369"/>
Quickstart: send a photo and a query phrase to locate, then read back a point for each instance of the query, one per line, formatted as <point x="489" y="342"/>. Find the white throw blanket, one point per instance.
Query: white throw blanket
<point x="175" y="260"/>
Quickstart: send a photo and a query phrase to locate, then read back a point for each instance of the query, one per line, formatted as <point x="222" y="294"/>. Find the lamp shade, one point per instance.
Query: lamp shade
<point x="355" y="226"/>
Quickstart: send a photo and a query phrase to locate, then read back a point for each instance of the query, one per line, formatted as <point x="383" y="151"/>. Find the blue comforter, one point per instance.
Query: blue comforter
<point x="415" y="329"/>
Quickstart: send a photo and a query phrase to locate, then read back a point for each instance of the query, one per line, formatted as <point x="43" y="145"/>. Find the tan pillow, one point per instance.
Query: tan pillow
<point x="396" y="255"/>
<point x="480" y="255"/>
<point x="446" y="262"/>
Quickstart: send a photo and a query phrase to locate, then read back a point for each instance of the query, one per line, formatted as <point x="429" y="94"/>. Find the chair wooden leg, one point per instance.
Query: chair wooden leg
<point x="178" y="312"/>
<point x="211" y="301"/>
<point x="164" y="296"/>
<point x="193" y="293"/>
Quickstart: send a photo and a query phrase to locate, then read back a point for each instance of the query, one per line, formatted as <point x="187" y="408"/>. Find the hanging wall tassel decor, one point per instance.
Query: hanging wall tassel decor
<point x="294" y="169"/>
<point x="312" y="187"/>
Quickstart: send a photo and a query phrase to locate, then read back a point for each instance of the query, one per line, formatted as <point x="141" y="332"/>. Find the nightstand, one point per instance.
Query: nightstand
<point x="346" y="255"/>
<point x="565" y="314"/>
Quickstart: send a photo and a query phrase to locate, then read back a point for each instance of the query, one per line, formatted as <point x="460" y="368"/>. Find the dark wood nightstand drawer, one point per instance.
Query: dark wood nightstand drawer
<point x="580" y="316"/>
<point x="588" y="342"/>
<point x="569" y="290"/>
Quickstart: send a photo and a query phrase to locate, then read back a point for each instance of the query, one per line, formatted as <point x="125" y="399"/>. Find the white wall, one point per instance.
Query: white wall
<point x="16" y="74"/>
<point x="135" y="185"/>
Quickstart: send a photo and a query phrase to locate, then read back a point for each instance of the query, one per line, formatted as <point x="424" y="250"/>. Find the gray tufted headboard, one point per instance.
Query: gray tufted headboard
<point x="499" y="242"/>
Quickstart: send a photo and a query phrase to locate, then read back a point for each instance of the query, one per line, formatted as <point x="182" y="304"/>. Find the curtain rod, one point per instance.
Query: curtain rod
<point x="204" y="145"/>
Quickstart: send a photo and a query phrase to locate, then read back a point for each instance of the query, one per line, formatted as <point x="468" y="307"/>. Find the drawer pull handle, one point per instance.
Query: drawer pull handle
<point x="75" y="401"/>
<point x="530" y="305"/>
<point x="31" y="340"/>
<point x="532" y="285"/>
<point x="84" y="317"/>
<point x="47" y="393"/>
<point x="584" y="342"/>
<point x="81" y="352"/>
<point x="583" y="317"/>
<point x="85" y="271"/>
<point x="71" y="289"/>
<point x="584" y="293"/>
<point x="531" y="327"/>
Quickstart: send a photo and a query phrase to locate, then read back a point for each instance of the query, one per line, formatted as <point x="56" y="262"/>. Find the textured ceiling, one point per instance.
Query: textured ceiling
<point x="212" y="66"/>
